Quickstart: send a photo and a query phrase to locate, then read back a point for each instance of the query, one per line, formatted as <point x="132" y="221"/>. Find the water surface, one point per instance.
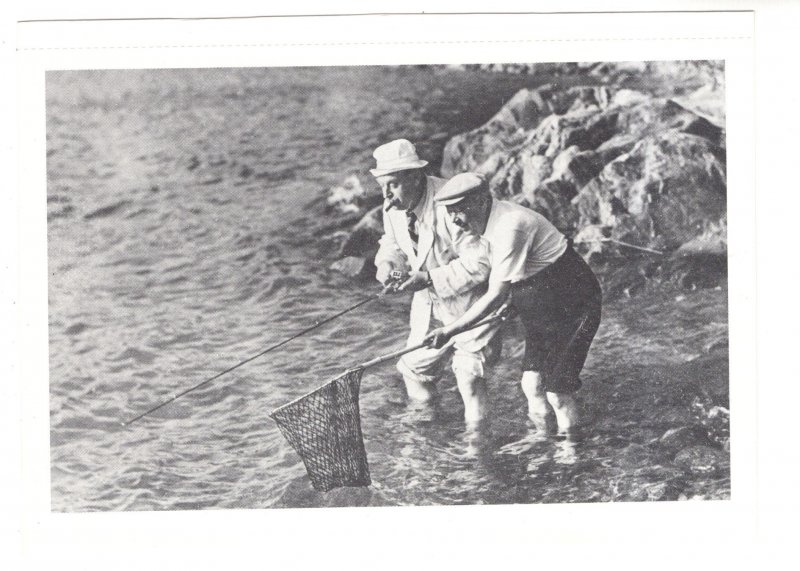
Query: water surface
<point x="181" y="242"/>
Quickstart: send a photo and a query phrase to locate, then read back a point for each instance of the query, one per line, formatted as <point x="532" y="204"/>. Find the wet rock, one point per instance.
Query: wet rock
<point x="706" y="377"/>
<point x="535" y="170"/>
<point x="467" y="151"/>
<point x="553" y="200"/>
<point x="661" y="194"/>
<point x="649" y="171"/>
<point x="355" y="195"/>
<point x="707" y="102"/>
<point x="663" y="491"/>
<point x="641" y="490"/>
<point x="634" y="455"/>
<point x="577" y="167"/>
<point x="672" y="415"/>
<point x="363" y="238"/>
<point x="515" y="122"/>
<point x="649" y="483"/>
<point x="624" y="280"/>
<point x="696" y="270"/>
<point x="585" y="128"/>
<point x="700" y="460"/>
<point x="676" y="439"/>
<point x="712" y="241"/>
<point x="661" y="115"/>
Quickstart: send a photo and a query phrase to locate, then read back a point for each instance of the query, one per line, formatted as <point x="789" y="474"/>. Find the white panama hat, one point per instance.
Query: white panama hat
<point x="398" y="155"/>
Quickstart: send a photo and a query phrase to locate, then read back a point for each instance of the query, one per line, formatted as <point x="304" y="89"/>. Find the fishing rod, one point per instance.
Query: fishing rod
<point x="387" y="289"/>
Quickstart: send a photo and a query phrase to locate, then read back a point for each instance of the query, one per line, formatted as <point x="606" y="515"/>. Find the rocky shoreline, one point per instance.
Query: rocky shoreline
<point x="632" y="166"/>
<point x="633" y="169"/>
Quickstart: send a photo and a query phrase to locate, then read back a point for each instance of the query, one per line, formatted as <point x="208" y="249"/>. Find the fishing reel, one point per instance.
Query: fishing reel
<point x="396" y="277"/>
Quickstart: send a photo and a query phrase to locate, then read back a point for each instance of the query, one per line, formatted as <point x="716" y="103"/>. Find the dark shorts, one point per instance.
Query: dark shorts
<point x="560" y="310"/>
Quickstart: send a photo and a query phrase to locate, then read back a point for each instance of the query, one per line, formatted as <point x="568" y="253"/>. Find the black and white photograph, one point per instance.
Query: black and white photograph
<point x="388" y="285"/>
<point x="399" y="287"/>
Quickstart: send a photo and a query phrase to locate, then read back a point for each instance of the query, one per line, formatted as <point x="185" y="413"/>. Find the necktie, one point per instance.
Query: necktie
<point x="412" y="228"/>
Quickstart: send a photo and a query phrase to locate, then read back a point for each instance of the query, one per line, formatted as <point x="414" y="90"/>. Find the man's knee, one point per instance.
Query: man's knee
<point x="467" y="365"/>
<point x="532" y="384"/>
<point x="470" y="385"/>
<point x="422" y="371"/>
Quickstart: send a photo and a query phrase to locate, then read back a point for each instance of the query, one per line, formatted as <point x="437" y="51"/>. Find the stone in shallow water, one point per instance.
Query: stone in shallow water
<point x="642" y="491"/>
<point x="700" y="459"/>
<point x="634" y="455"/>
<point x="676" y="439"/>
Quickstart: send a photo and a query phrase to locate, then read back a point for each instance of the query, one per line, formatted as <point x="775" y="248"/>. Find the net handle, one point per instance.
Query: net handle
<point x="394" y="355"/>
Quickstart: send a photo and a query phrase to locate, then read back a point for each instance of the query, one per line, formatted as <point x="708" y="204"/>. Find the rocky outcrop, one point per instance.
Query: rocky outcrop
<point x="627" y="173"/>
<point x="529" y="119"/>
<point x="596" y="161"/>
<point x="701" y="459"/>
<point x="662" y="194"/>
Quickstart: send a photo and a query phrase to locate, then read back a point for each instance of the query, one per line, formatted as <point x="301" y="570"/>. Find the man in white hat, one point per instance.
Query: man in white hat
<point x="419" y="244"/>
<point x="555" y="293"/>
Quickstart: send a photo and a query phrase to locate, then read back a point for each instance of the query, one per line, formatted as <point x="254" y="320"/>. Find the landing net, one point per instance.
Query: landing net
<point x="324" y="427"/>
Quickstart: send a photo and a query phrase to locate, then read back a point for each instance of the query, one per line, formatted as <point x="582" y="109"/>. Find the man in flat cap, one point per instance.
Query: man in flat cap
<point x="552" y="289"/>
<point x="419" y="244"/>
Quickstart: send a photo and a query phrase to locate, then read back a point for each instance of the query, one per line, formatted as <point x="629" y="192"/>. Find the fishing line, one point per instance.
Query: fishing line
<point x="621" y="243"/>
<point x="264" y="352"/>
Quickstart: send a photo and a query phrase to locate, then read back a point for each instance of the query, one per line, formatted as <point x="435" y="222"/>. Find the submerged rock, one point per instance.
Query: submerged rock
<point x="701" y="460"/>
<point x="676" y="439"/>
<point x="695" y="270"/>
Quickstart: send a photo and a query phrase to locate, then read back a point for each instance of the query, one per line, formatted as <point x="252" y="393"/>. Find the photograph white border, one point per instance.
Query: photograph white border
<point x="319" y="533"/>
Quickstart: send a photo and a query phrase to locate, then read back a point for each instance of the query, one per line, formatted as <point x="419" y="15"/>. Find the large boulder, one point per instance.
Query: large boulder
<point x="661" y="194"/>
<point x="602" y="157"/>
<point x="467" y="151"/>
<point x="510" y="127"/>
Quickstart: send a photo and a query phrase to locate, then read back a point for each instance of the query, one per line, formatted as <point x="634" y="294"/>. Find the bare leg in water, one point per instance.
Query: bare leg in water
<point x="564" y="405"/>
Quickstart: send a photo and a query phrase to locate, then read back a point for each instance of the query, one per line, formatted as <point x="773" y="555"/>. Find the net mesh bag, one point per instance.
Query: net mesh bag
<point x="324" y="427"/>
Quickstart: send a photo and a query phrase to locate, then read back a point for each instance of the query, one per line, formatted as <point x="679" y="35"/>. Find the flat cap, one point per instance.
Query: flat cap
<point x="461" y="186"/>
